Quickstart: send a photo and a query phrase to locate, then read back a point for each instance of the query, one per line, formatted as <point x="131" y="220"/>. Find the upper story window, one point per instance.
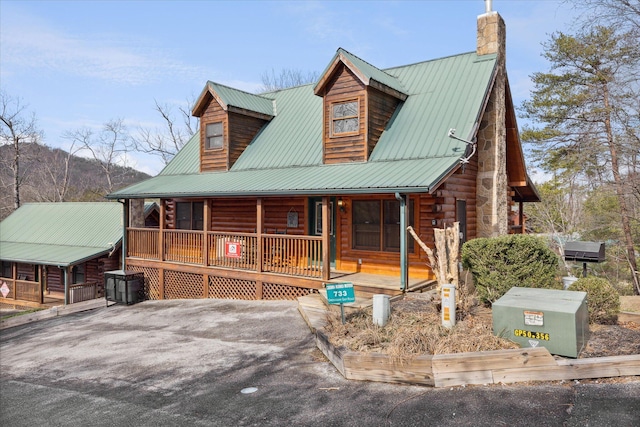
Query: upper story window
<point x="344" y="118"/>
<point x="214" y="138"/>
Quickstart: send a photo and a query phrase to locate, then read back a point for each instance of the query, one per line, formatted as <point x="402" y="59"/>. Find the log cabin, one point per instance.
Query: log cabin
<point x="281" y="192"/>
<point x="59" y="251"/>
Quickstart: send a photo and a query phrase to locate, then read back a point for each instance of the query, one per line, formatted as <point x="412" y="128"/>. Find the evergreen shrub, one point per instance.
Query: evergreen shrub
<point x="500" y="263"/>
<point x="603" y="300"/>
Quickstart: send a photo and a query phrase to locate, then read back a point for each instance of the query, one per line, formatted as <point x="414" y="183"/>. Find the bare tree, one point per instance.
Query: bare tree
<point x="57" y="172"/>
<point x="17" y="128"/>
<point x="622" y="14"/>
<point x="288" y="77"/>
<point x="107" y="147"/>
<point x="166" y="142"/>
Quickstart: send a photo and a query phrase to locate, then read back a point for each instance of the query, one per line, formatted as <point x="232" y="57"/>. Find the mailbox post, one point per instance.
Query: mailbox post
<point x="584" y="252"/>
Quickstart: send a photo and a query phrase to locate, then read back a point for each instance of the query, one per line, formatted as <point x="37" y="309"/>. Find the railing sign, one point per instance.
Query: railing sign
<point x="5" y="289"/>
<point x="233" y="249"/>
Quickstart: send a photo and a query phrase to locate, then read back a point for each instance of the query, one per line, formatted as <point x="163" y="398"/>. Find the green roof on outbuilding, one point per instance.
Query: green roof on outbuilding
<point x="414" y="153"/>
<point x="60" y="234"/>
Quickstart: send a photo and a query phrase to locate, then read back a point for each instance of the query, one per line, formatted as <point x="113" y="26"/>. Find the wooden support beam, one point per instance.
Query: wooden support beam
<point x="207" y="227"/>
<point x="161" y="226"/>
<point x="259" y="227"/>
<point x="326" y="243"/>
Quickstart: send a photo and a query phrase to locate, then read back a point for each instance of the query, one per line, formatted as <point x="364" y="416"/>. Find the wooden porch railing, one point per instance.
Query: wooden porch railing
<point x="27" y="291"/>
<point x="246" y="257"/>
<point x="281" y="253"/>
<point x="82" y="292"/>
<point x="293" y="255"/>
<point x="183" y="246"/>
<point x="143" y="243"/>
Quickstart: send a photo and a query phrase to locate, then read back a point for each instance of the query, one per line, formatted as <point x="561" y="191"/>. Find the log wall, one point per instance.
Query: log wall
<point x="380" y="109"/>
<point x="217" y="159"/>
<point x="344" y="86"/>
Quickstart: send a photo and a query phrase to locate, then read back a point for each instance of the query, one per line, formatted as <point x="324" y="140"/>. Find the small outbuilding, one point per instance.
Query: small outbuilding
<point x="59" y="250"/>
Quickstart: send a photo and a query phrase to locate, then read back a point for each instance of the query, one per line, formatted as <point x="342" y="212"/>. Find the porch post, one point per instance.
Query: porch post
<point x="41" y="281"/>
<point x="521" y="214"/>
<point x="326" y="249"/>
<point x="260" y="246"/>
<point x="207" y="228"/>
<point x="161" y="224"/>
<point x="404" y="270"/>
<point x="259" y="226"/>
<point x="14" y="276"/>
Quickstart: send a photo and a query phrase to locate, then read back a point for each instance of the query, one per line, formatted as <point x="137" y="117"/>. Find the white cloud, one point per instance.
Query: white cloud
<point x="29" y="43"/>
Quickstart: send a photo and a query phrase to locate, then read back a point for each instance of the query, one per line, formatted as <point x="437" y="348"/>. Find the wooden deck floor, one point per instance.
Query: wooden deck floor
<point x="379" y="281"/>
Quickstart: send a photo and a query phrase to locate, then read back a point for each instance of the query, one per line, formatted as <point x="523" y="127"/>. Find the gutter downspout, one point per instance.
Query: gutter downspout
<point x="125" y="222"/>
<point x="404" y="270"/>
<point x="65" y="275"/>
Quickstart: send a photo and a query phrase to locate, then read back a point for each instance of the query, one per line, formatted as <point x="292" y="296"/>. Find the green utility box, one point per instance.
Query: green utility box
<point x="557" y="320"/>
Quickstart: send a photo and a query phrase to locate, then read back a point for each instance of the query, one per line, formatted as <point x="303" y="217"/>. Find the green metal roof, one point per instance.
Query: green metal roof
<point x="238" y="98"/>
<point x="60" y="234"/>
<point x="414" y="152"/>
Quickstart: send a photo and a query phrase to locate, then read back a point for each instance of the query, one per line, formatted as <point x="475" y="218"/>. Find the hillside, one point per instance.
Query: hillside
<point x="42" y="171"/>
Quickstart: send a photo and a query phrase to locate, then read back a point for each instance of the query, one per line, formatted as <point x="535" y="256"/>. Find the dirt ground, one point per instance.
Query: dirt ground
<point x="630" y="304"/>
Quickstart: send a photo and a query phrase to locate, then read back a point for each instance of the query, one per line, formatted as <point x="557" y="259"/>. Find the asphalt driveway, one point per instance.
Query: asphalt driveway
<point x="187" y="362"/>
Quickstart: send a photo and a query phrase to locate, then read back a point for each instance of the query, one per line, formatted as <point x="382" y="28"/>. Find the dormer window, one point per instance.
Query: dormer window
<point x="344" y="118"/>
<point x="214" y="137"/>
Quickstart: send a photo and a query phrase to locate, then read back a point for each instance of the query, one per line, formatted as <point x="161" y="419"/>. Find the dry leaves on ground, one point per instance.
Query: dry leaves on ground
<point x="414" y="328"/>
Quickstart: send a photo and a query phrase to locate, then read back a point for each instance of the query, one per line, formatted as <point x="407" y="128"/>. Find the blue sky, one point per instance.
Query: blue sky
<point x="82" y="63"/>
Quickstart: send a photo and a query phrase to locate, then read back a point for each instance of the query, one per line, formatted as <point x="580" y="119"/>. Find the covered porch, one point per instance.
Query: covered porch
<point x="267" y="263"/>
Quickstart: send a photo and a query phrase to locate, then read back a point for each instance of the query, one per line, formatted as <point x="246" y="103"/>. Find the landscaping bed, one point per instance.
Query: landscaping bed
<point x="472" y="354"/>
<point x="414" y="329"/>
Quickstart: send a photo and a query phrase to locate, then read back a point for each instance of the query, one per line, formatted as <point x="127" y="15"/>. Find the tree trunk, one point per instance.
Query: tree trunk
<point x="624" y="211"/>
<point x="16" y="172"/>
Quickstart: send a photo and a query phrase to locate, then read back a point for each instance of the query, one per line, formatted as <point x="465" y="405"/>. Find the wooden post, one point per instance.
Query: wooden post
<point x="41" y="282"/>
<point x="161" y="283"/>
<point x="259" y="225"/>
<point x="259" y="255"/>
<point x="207" y="229"/>
<point x="14" y="276"/>
<point x="521" y="214"/>
<point x="326" y="249"/>
<point x="161" y="225"/>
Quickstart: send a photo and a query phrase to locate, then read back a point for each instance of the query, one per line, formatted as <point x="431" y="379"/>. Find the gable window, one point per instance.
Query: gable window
<point x="376" y="225"/>
<point x="190" y="215"/>
<point x="344" y="118"/>
<point x="214" y="137"/>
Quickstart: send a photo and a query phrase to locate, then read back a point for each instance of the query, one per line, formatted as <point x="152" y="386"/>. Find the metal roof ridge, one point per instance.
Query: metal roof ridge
<point x="368" y="63"/>
<point x="239" y="90"/>
<point x="489" y="56"/>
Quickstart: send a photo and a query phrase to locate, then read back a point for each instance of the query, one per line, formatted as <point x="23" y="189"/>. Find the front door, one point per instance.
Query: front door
<point x="316" y="224"/>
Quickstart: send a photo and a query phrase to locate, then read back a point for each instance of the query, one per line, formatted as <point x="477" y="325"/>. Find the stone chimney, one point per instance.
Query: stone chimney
<point x="492" y="185"/>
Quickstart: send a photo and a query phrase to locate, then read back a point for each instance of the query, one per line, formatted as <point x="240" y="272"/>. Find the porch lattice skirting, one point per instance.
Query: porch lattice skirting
<point x="183" y="285"/>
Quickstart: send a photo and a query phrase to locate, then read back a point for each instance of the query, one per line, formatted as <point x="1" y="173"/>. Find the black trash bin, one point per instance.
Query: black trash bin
<point x="124" y="287"/>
